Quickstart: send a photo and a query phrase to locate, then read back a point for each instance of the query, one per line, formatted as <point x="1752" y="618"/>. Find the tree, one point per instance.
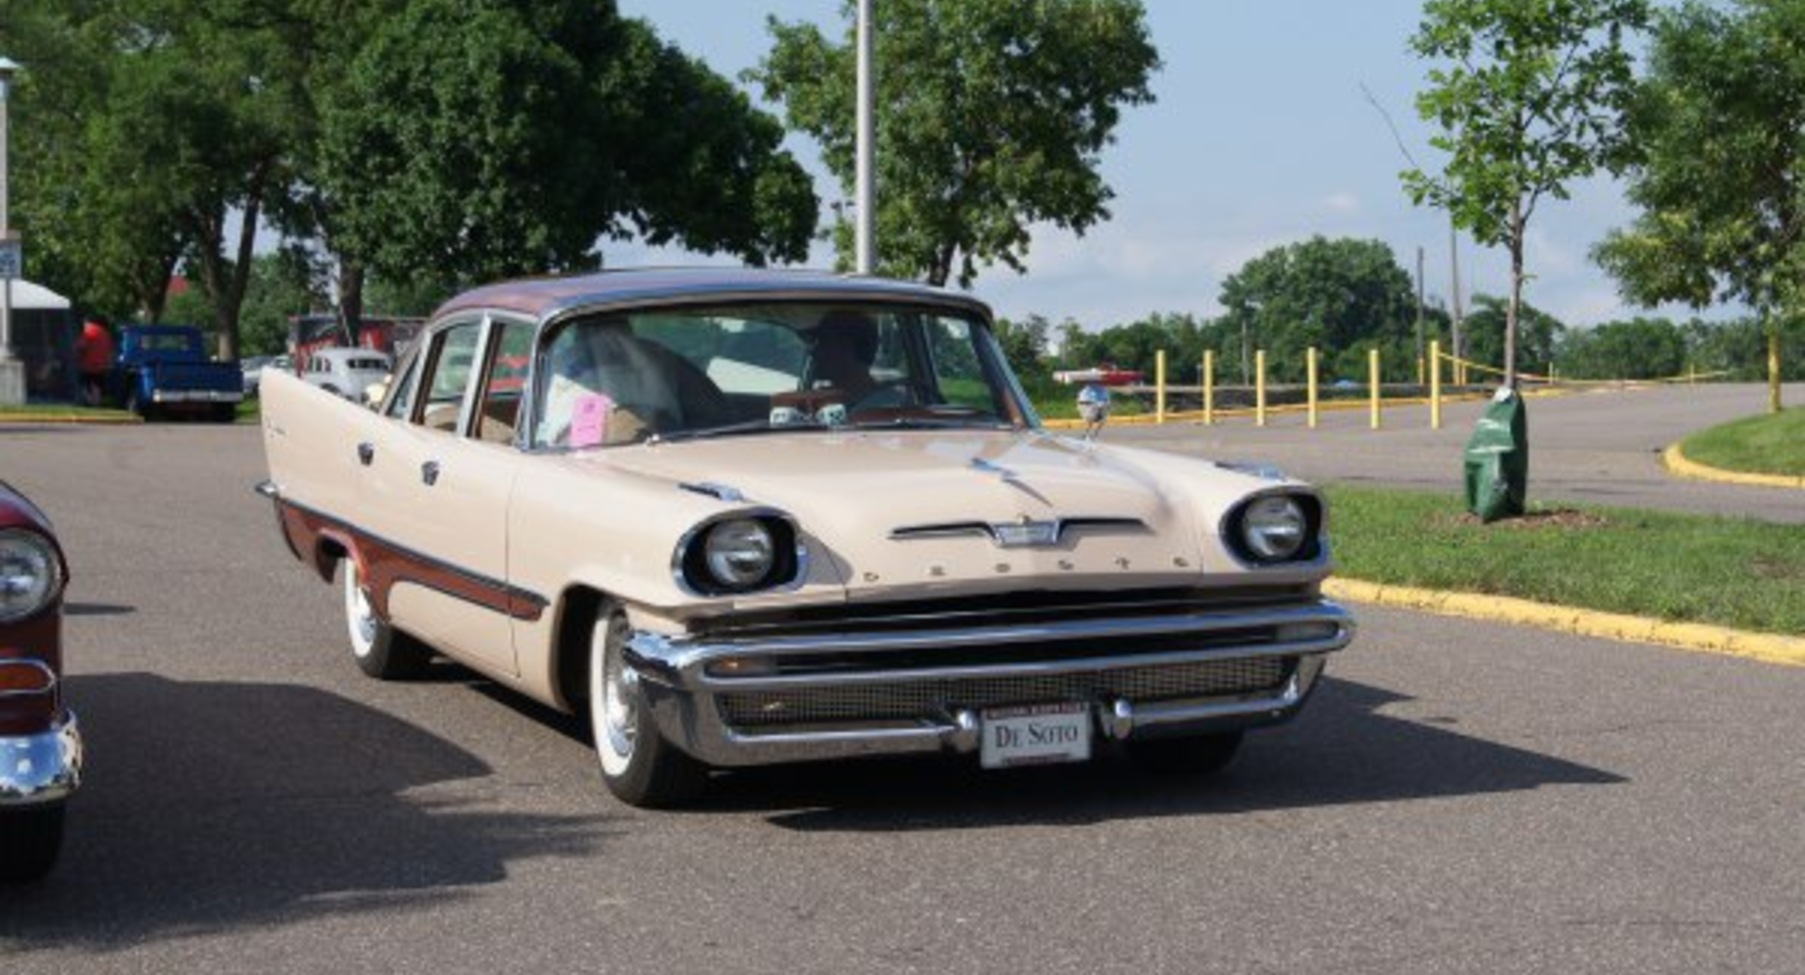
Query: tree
<point x="1638" y="348"/>
<point x="1538" y="334"/>
<point x="1721" y="182"/>
<point x="1531" y="100"/>
<point x="558" y="126"/>
<point x="444" y="139"/>
<point x="992" y="115"/>
<point x="1024" y="344"/>
<point x="1341" y="296"/>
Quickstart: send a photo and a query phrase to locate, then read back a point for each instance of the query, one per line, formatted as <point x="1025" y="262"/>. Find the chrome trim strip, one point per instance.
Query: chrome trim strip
<point x="678" y="655"/>
<point x="507" y="590"/>
<point x="49" y="673"/>
<point x="44" y="767"/>
<point x="1060" y="526"/>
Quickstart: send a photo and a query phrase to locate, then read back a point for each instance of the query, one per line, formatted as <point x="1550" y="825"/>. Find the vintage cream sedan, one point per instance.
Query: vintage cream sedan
<point x="742" y="517"/>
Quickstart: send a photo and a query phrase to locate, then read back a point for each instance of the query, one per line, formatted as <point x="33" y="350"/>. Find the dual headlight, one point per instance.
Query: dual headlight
<point x="739" y="554"/>
<point x="31" y="575"/>
<point x="1273" y="528"/>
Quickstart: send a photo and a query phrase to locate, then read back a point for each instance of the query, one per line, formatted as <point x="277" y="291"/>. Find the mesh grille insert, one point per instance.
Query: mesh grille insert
<point x="926" y="699"/>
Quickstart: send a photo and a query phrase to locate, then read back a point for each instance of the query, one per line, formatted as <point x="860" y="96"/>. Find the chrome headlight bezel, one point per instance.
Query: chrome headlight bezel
<point x="1276" y="528"/>
<point x="704" y="561"/>
<point x="31" y="574"/>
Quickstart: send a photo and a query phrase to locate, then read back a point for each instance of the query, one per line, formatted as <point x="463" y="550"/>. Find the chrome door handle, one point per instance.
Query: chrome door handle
<point x="366" y="452"/>
<point x="429" y="473"/>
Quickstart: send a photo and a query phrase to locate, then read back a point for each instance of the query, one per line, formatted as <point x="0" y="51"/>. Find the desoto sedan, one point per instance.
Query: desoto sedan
<point x="742" y="517"/>
<point x="40" y="741"/>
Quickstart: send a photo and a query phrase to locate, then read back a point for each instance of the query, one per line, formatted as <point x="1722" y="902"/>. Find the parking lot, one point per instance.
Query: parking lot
<point x="1460" y="797"/>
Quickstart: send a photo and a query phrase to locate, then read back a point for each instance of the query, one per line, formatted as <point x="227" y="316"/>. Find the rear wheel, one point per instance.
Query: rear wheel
<point x="380" y="650"/>
<point x="30" y="840"/>
<point x="1196" y="755"/>
<point x="638" y="765"/>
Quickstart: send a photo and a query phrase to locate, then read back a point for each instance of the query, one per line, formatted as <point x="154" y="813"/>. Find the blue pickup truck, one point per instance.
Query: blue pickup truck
<point x="164" y="370"/>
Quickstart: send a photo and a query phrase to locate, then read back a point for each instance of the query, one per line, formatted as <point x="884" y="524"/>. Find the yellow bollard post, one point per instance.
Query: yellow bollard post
<point x="1372" y="370"/>
<point x="1773" y="371"/>
<point x="1259" y="387"/>
<point x="1435" y="385"/>
<point x="1310" y="382"/>
<point x="1209" y="387"/>
<point x="1159" y="386"/>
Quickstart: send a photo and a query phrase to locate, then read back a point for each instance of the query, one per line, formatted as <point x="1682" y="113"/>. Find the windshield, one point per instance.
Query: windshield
<point x="681" y="373"/>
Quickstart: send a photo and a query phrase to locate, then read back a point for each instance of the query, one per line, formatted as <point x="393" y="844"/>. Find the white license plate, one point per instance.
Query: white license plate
<point x="1035" y="735"/>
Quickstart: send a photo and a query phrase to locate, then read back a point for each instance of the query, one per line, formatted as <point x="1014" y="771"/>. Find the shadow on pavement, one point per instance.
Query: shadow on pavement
<point x="217" y="806"/>
<point x="1341" y="751"/>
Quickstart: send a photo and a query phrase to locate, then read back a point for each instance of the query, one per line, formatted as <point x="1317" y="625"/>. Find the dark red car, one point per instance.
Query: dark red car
<point x="40" y="742"/>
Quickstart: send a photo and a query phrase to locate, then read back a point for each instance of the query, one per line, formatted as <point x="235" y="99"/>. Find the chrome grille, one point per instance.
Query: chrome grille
<point x="924" y="699"/>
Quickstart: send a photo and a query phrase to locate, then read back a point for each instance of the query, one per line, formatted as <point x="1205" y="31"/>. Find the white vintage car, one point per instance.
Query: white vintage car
<point x="742" y="517"/>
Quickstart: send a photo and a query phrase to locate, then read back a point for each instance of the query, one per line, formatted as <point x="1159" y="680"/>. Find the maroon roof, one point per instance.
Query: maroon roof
<point x="543" y="297"/>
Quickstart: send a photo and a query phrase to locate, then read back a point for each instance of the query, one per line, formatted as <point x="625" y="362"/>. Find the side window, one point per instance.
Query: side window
<point x="500" y="412"/>
<point x="449" y="376"/>
<point x="957" y="369"/>
<point x="401" y="402"/>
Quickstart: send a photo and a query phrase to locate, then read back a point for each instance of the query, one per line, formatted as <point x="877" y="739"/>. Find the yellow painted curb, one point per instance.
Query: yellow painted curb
<point x="1769" y="648"/>
<point x="1677" y="463"/>
<point x="63" y="420"/>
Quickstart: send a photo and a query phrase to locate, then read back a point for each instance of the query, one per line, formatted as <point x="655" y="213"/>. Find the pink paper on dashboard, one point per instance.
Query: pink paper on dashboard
<point x="589" y="419"/>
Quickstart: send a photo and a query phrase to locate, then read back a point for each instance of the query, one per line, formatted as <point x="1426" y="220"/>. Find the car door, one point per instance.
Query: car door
<point x="439" y="498"/>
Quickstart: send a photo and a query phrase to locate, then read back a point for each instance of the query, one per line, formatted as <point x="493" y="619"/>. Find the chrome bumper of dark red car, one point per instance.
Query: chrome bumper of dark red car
<point x="734" y="702"/>
<point x="42" y="767"/>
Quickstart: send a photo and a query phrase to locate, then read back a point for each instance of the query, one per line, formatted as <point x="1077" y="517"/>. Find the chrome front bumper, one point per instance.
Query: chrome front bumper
<point x="41" y="768"/>
<point x="195" y="396"/>
<point x="686" y="682"/>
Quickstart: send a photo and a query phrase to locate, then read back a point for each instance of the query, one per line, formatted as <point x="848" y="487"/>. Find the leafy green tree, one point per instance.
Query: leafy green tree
<point x="1739" y="348"/>
<point x="1638" y="348"/>
<point x="992" y="115"/>
<point x="1538" y="334"/>
<point x="1530" y="98"/>
<point x="487" y="138"/>
<point x="1341" y="296"/>
<point x="1024" y="344"/>
<point x="1721" y="182"/>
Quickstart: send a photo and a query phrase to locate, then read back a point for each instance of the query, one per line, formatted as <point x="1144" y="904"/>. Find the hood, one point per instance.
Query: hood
<point x="934" y="509"/>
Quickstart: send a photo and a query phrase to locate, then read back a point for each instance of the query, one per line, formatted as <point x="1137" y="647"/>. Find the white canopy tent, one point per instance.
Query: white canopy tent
<point x="43" y="337"/>
<point x="35" y="297"/>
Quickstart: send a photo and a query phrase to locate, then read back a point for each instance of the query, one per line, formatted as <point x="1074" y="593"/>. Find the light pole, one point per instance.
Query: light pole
<point x="12" y="371"/>
<point x="865" y="230"/>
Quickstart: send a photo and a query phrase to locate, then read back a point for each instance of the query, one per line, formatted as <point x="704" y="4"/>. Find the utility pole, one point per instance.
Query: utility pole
<point x="865" y="228"/>
<point x="1421" y="348"/>
<point x="1460" y="348"/>
<point x="12" y="371"/>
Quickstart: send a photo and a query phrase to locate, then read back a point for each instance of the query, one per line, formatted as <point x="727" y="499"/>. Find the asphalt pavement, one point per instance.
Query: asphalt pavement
<point x="1459" y="797"/>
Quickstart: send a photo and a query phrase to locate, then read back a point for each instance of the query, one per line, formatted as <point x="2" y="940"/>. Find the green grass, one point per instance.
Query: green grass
<point x="1769" y="444"/>
<point x="1730" y="572"/>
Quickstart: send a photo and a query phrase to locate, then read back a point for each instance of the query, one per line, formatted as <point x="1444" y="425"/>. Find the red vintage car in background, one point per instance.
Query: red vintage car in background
<point x="40" y="742"/>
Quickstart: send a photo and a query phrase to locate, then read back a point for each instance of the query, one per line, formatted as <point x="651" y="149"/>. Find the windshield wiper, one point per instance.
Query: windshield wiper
<point x="730" y="430"/>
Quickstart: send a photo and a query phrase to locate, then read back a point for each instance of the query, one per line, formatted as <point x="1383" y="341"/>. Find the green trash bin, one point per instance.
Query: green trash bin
<point x="1497" y="459"/>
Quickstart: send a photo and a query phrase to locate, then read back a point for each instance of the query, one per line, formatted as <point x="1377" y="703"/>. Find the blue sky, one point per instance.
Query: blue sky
<point x="1261" y="136"/>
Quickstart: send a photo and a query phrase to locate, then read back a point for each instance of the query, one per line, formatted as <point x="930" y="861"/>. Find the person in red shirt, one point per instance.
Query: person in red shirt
<point x="94" y="358"/>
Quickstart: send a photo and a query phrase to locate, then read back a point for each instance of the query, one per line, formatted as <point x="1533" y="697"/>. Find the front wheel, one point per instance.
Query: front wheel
<point x="30" y="840"/>
<point x="380" y="650"/>
<point x="1196" y="755"/>
<point x="639" y="766"/>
